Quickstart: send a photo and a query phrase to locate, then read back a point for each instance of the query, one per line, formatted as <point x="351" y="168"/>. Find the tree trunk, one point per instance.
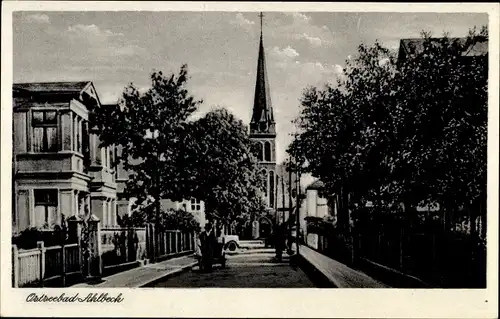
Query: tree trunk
<point x="157" y="212"/>
<point x="344" y="207"/>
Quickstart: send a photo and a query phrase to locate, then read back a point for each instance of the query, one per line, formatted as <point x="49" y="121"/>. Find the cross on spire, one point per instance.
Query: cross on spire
<point x="261" y="15"/>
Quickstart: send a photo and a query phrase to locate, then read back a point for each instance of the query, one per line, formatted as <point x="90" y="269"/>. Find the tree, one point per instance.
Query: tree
<point x="221" y="163"/>
<point x="410" y="131"/>
<point x="149" y="128"/>
<point x="442" y="129"/>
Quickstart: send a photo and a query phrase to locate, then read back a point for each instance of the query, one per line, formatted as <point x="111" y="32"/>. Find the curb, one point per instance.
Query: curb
<point x="168" y="274"/>
<point x="316" y="276"/>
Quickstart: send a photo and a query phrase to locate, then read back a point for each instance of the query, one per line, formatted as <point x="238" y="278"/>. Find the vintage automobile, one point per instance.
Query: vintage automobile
<point x="232" y="242"/>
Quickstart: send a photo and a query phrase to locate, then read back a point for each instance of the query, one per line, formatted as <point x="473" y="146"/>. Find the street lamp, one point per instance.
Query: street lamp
<point x="294" y="166"/>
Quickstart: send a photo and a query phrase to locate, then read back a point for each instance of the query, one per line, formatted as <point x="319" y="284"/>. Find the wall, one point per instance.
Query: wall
<point x="312" y="204"/>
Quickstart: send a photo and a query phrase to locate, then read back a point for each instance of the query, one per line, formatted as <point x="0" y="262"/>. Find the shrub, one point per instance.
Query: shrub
<point x="29" y="237"/>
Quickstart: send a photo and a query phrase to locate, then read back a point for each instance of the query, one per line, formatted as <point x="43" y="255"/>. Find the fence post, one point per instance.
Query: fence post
<point x="379" y="246"/>
<point x="125" y="244"/>
<point x="15" y="267"/>
<point x="148" y="241"/>
<point x="165" y="243"/>
<point x="182" y="242"/>
<point x="434" y="252"/>
<point x="179" y="241"/>
<point x="41" y="246"/>
<point x="75" y="227"/>
<point x="170" y="243"/>
<point x="63" y="264"/>
<point x="401" y="254"/>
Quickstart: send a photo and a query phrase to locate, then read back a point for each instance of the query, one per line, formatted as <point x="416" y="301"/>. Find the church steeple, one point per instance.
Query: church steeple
<point x="262" y="117"/>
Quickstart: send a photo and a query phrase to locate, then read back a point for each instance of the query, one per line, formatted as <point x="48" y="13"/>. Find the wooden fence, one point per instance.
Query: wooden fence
<point x="119" y="249"/>
<point x="168" y="243"/>
<point x="444" y="260"/>
<point x="174" y="242"/>
<point x="45" y="265"/>
<point x="122" y="248"/>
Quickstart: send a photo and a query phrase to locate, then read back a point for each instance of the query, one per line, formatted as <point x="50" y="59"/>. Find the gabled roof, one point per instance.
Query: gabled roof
<point x="58" y="92"/>
<point x="416" y="45"/>
<point x="53" y="87"/>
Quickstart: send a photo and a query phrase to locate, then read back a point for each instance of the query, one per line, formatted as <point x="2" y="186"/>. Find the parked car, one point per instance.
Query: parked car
<point x="231" y="242"/>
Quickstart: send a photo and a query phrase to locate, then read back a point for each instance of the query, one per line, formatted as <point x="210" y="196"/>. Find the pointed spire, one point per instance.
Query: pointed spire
<point x="262" y="117"/>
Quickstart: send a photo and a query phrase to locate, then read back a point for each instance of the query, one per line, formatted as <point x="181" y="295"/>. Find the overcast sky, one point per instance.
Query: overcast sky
<point x="115" y="48"/>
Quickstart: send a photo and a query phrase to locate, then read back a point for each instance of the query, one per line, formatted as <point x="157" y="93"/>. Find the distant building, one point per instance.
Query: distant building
<point x="192" y="206"/>
<point x="58" y="168"/>
<point x="317" y="203"/>
<point x="263" y="132"/>
<point x="408" y="47"/>
<point x="263" y="127"/>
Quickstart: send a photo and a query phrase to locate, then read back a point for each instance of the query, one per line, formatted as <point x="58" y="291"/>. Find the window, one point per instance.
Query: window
<point x="260" y="155"/>
<point x="271" y="189"/>
<point x="78" y="134"/>
<point x="105" y="213"/>
<point x="266" y="183"/>
<point x="45" y="207"/>
<point x="44" y="131"/>
<point x="195" y="204"/>
<point x="267" y="151"/>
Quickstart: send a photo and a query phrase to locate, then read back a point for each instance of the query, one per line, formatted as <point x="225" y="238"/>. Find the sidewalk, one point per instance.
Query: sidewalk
<point x="145" y="275"/>
<point x="339" y="275"/>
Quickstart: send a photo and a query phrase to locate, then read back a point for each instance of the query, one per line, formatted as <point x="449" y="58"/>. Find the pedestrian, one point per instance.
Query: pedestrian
<point x="208" y="243"/>
<point x="279" y="241"/>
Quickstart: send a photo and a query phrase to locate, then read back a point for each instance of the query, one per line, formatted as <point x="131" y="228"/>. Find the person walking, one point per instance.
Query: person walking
<point x="208" y="242"/>
<point x="279" y="241"/>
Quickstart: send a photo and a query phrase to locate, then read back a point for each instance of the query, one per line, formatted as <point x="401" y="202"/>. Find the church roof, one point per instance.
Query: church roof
<point x="262" y="106"/>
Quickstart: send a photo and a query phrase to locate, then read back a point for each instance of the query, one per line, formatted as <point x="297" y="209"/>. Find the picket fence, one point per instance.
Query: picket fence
<point x="119" y="248"/>
<point x="42" y="265"/>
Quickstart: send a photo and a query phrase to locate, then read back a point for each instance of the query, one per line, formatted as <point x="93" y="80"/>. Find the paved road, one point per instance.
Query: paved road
<point x="245" y="270"/>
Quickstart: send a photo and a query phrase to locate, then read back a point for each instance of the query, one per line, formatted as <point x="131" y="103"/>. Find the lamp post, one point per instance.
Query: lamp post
<point x="299" y="198"/>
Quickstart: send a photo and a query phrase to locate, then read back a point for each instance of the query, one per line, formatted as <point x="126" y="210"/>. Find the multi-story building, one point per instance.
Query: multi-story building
<point x="58" y="168"/>
<point x="192" y="206"/>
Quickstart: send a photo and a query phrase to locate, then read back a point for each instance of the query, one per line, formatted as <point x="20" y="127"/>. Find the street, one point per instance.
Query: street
<point x="249" y="269"/>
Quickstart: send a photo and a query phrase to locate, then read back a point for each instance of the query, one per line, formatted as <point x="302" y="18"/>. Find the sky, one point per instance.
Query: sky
<point x="113" y="49"/>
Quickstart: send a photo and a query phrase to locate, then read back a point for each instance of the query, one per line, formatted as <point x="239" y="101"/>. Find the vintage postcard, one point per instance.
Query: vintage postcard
<point x="249" y="159"/>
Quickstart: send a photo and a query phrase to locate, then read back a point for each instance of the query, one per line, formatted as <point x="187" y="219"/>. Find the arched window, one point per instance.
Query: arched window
<point x="266" y="183"/>
<point x="271" y="189"/>
<point x="267" y="151"/>
<point x="260" y="155"/>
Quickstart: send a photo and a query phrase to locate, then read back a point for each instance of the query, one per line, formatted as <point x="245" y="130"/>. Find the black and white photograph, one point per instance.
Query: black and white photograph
<point x="249" y="149"/>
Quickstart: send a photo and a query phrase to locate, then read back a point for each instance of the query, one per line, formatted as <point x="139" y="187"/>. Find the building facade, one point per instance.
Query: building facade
<point x="58" y="169"/>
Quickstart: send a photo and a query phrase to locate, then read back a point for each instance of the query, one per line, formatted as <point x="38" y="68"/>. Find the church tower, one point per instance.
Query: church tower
<point x="263" y="126"/>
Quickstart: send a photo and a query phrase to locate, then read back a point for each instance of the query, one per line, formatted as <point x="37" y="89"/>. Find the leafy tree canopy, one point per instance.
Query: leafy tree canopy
<point x="221" y="163"/>
<point x="411" y="131"/>
<point x="149" y="129"/>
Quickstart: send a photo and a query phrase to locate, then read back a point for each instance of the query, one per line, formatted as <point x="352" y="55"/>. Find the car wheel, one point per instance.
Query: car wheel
<point x="231" y="246"/>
